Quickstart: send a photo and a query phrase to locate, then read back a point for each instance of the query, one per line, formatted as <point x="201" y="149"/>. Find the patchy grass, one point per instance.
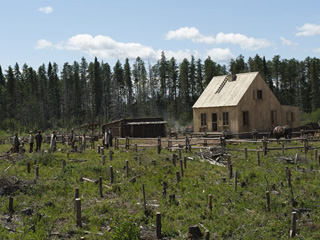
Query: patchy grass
<point x="119" y="213"/>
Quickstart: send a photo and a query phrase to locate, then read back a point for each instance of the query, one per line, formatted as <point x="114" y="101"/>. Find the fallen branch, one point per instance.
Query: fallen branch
<point x="88" y="180"/>
<point x="286" y="159"/>
<point x="7" y="168"/>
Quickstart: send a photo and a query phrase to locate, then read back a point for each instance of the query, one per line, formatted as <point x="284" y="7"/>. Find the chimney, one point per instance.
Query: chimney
<point x="232" y="77"/>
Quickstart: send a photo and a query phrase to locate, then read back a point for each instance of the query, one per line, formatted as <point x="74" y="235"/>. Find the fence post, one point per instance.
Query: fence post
<point x="254" y="134"/>
<point x="206" y="235"/>
<point x="64" y="163"/>
<point x="268" y="201"/>
<point x="235" y="180"/>
<point x="127" y="168"/>
<point x="100" y="186"/>
<point x="178" y="176"/>
<point x="210" y="202"/>
<point x="144" y="197"/>
<point x="265" y="146"/>
<point x="37" y="171"/>
<point x="185" y="162"/>
<point x="136" y="147"/>
<point x="28" y="167"/>
<point x="159" y="145"/>
<point x="102" y="151"/>
<point x="78" y="212"/>
<point x="258" y="158"/>
<point x="230" y="171"/>
<point x="186" y="144"/>
<point x="246" y="153"/>
<point x="289" y="178"/>
<point x="158" y="223"/>
<point x="305" y="145"/>
<point x="111" y="174"/>
<point x="10" y="206"/>
<point x="293" y="224"/>
<point x="174" y="159"/>
<point x="181" y="166"/>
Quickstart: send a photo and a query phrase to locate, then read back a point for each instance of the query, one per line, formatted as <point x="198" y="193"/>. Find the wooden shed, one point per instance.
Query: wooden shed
<point x="137" y="127"/>
<point x="240" y="103"/>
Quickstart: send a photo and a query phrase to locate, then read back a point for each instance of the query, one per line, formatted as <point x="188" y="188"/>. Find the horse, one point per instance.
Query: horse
<point x="282" y="131"/>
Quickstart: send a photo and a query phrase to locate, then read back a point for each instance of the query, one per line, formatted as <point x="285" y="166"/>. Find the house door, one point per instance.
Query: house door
<point x="214" y="122"/>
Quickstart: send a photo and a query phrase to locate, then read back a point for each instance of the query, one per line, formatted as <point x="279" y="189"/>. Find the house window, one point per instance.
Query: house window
<point x="273" y="117"/>
<point x="245" y="117"/>
<point x="257" y="94"/>
<point x="225" y="117"/>
<point x="203" y="119"/>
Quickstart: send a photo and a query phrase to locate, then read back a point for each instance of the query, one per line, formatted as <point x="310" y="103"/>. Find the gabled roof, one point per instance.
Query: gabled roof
<point x="225" y="90"/>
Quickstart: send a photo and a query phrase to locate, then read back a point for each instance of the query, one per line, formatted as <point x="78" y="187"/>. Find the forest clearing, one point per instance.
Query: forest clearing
<point x="139" y="192"/>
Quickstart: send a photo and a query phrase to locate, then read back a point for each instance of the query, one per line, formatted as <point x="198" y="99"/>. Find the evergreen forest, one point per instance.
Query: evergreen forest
<point x="53" y="96"/>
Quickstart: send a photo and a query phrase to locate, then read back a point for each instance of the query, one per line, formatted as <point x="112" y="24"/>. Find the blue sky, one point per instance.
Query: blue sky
<point x="42" y="31"/>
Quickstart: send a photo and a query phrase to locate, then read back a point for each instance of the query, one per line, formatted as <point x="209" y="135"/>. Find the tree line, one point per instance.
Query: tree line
<point x="95" y="92"/>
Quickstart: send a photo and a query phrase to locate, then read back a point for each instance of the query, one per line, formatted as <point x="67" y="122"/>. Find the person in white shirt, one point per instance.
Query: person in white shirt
<point x="53" y="142"/>
<point x="84" y="142"/>
<point x="31" y="142"/>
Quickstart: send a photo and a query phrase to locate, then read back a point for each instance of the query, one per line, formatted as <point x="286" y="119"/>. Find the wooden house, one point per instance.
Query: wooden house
<point x="137" y="127"/>
<point x="240" y="103"/>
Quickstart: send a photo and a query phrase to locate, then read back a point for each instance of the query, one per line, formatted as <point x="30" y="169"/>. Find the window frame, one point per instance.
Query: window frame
<point x="259" y="94"/>
<point x="245" y="118"/>
<point x="203" y="119"/>
<point x="225" y="118"/>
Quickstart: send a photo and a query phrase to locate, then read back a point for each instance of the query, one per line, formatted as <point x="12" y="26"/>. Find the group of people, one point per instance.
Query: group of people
<point x="37" y="137"/>
<point x="107" y="141"/>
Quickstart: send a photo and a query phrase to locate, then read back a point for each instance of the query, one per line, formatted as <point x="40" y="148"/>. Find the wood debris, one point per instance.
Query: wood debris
<point x="215" y="155"/>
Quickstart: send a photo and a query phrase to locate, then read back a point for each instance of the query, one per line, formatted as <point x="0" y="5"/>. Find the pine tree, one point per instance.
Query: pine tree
<point x="209" y="66"/>
<point x="129" y="88"/>
<point x="184" y="92"/>
<point x="173" y="90"/>
<point x="199" y="86"/>
<point x="106" y="86"/>
<point x="117" y="98"/>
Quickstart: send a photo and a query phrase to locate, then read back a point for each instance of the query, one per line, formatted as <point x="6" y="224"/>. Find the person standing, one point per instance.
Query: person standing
<point x="84" y="142"/>
<point x="106" y="139"/>
<point x="16" y="143"/>
<point x="72" y="138"/>
<point x="53" y="142"/>
<point x="110" y="137"/>
<point x="38" y="138"/>
<point x="31" y="142"/>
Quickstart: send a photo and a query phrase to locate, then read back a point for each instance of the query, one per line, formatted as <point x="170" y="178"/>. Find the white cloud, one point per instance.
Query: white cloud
<point x="194" y="35"/>
<point x="105" y="47"/>
<point x="220" y="55"/>
<point x="288" y="42"/>
<point x="179" y="55"/>
<point x="46" y="10"/>
<point x="316" y="50"/>
<point x="308" y="29"/>
<point x="42" y="44"/>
